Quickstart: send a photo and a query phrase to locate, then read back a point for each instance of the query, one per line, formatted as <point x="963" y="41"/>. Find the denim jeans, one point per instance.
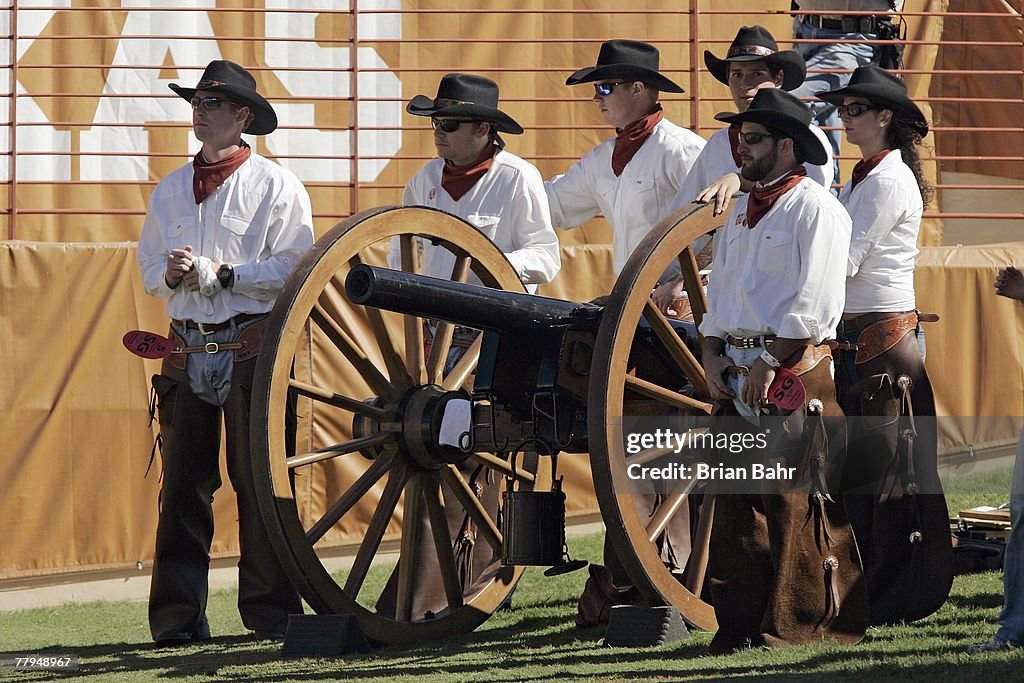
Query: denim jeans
<point x="844" y="56"/>
<point x="1011" y="619"/>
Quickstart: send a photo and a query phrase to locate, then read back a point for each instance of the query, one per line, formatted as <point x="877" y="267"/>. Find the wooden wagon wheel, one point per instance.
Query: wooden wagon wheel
<point x="364" y="373"/>
<point x="616" y="387"/>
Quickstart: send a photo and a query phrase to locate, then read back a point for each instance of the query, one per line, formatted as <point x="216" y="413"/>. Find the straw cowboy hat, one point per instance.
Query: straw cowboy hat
<point x="775" y="108"/>
<point x="236" y="84"/>
<point x="465" y="96"/>
<point x="753" y="44"/>
<point x="629" y="60"/>
<point x="880" y="87"/>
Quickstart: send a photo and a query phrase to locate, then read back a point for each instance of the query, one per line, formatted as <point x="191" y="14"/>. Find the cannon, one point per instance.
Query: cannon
<point x="344" y="351"/>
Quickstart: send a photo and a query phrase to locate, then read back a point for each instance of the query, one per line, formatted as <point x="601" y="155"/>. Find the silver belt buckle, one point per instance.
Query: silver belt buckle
<point x="212" y="347"/>
<point x="203" y="331"/>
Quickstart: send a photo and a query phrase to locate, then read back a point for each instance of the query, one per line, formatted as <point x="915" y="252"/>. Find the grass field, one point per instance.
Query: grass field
<point x="535" y="641"/>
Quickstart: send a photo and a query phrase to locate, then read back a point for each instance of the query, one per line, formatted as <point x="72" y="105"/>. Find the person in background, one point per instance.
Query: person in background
<point x="221" y="236"/>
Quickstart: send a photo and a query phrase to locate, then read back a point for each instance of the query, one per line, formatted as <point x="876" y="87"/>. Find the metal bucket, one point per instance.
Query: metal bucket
<point x="533" y="527"/>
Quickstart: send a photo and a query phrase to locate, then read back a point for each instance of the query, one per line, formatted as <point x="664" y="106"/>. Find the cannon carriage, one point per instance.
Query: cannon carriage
<point x="344" y="348"/>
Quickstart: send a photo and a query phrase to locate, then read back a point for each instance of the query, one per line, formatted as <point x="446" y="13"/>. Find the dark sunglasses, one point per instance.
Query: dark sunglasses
<point x="754" y="138"/>
<point x="854" y="109"/>
<point x="606" y="89"/>
<point x="448" y="125"/>
<point x="210" y="103"/>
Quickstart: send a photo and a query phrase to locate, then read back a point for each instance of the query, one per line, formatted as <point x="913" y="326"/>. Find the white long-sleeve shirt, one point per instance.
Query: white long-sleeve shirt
<point x="787" y="275"/>
<point x="259" y="220"/>
<point x="507" y="205"/>
<point x="715" y="160"/>
<point x="886" y="209"/>
<point x="633" y="202"/>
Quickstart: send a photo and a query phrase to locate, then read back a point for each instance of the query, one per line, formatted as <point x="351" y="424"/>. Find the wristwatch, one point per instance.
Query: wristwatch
<point x="226" y="275"/>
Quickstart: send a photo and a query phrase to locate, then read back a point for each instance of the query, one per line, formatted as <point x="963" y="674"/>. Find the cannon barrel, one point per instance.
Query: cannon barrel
<point x="482" y="308"/>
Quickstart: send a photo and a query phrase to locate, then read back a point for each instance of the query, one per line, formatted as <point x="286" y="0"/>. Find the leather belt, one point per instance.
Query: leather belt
<point x="764" y="341"/>
<point x="210" y="328"/>
<point x="861" y="23"/>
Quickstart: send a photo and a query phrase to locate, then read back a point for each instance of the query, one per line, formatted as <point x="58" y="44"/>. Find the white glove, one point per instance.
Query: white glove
<point x="209" y="285"/>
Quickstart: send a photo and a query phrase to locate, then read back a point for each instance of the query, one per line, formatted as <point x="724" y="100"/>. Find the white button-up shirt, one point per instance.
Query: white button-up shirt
<point x="633" y="202"/>
<point x="787" y="275"/>
<point x="886" y="208"/>
<point x="507" y="205"/>
<point x="715" y="160"/>
<point x="259" y="220"/>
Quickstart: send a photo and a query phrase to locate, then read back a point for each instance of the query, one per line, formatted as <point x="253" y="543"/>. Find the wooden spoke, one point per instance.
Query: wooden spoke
<point x="339" y="449"/>
<point x="377" y="382"/>
<point x="693" y="285"/>
<point x="339" y="401"/>
<point x="673" y="398"/>
<point x="670" y="506"/>
<point x="465" y="367"/>
<point x="675" y="347"/>
<point x="502" y="466"/>
<point x="485" y="525"/>
<point x="375" y="531"/>
<point x="392" y="358"/>
<point x="693" y="579"/>
<point x="412" y="325"/>
<point x="352" y="495"/>
<point x="408" y="561"/>
<point x="443" y="542"/>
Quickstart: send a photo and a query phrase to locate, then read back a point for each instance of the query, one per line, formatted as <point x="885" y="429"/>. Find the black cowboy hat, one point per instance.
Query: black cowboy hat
<point x="775" y="108"/>
<point x="465" y="96"/>
<point x="756" y="44"/>
<point x="625" y="60"/>
<point x="880" y="87"/>
<point x="238" y="85"/>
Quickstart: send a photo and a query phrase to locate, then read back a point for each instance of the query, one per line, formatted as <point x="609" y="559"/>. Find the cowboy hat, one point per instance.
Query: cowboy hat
<point x="465" y="96"/>
<point x="238" y="85"/>
<point x="628" y="60"/>
<point x="753" y="44"/>
<point x="880" y="87"/>
<point x="777" y="109"/>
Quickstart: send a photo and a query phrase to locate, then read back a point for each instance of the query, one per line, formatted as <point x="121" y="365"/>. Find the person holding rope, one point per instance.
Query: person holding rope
<point x="221" y="235"/>
<point x="891" y="486"/>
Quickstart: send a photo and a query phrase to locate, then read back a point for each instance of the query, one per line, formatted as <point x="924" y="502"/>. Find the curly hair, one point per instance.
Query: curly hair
<point x="905" y="136"/>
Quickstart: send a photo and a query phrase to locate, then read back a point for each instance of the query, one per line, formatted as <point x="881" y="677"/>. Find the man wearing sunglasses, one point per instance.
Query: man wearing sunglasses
<point x="775" y="298"/>
<point x="631" y="178"/>
<point x="222" y="234"/>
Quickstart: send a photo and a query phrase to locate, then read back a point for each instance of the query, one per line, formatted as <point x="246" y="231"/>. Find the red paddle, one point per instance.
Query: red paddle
<point x="147" y="344"/>
<point x="786" y="390"/>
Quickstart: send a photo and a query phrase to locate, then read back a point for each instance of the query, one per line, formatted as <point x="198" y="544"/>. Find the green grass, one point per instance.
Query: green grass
<point x="536" y="641"/>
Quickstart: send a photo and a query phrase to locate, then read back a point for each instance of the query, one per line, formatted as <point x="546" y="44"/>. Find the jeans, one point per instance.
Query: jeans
<point x="844" y="56"/>
<point x="1011" y="618"/>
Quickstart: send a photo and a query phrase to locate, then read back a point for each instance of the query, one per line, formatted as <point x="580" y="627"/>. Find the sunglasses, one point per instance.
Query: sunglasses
<point x="854" y="110"/>
<point x="448" y="125"/>
<point x="606" y="89"/>
<point x="754" y="138"/>
<point x="210" y="103"/>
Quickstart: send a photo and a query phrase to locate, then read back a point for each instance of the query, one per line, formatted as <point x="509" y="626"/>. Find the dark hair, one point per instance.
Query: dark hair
<point x="798" y="150"/>
<point x="903" y="135"/>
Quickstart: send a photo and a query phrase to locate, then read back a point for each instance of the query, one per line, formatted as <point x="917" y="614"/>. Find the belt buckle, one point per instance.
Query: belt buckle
<point x="212" y="347"/>
<point x="202" y="329"/>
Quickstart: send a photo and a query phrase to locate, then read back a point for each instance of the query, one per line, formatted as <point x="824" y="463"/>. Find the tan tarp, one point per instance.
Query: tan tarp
<point x="73" y="403"/>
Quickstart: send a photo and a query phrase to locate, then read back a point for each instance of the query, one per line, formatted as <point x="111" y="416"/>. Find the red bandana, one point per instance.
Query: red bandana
<point x="762" y="198"/>
<point x="734" y="143"/>
<point x="207" y="177"/>
<point x="864" y="166"/>
<point x="458" y="180"/>
<point x="632" y="137"/>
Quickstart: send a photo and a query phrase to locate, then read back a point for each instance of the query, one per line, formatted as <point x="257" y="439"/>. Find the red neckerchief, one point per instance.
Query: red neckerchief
<point x="864" y="166"/>
<point x="734" y="143"/>
<point x="762" y="198"/>
<point x="207" y="177"/>
<point x="632" y="137"/>
<point x="458" y="180"/>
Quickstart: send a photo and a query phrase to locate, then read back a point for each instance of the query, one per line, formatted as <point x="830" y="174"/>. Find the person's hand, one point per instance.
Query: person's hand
<point x="664" y="294"/>
<point x="179" y="262"/>
<point x="714" y="370"/>
<point x="1010" y="283"/>
<point x="720" y="192"/>
<point x="755" y="389"/>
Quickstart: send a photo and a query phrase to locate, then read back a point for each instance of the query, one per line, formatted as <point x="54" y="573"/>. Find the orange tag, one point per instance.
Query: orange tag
<point x="786" y="390"/>
<point x="147" y="344"/>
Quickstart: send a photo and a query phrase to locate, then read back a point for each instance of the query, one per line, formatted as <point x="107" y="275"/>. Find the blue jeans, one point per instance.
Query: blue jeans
<point x="845" y="56"/>
<point x="1011" y="619"/>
